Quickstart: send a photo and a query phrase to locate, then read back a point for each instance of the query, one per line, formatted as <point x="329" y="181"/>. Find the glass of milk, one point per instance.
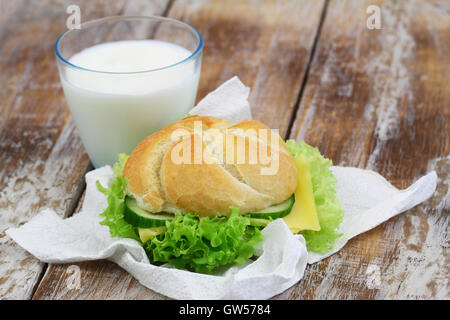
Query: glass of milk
<point x="127" y="77"/>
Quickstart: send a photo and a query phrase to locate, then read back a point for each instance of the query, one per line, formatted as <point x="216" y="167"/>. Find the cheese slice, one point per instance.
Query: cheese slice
<point x="147" y="233"/>
<point x="303" y="215"/>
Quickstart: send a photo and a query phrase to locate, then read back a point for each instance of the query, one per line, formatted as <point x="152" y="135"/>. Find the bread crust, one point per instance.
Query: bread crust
<point x="159" y="183"/>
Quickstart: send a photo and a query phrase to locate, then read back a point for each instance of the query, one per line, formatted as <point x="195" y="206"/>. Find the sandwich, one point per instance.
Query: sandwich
<point x="197" y="193"/>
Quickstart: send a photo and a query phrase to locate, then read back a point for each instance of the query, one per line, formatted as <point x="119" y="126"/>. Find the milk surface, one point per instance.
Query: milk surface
<point x="122" y="102"/>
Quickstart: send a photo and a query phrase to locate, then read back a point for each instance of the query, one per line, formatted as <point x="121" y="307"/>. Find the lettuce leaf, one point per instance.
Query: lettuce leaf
<point x="114" y="214"/>
<point x="328" y="207"/>
<point x="204" y="245"/>
<point x="201" y="245"/>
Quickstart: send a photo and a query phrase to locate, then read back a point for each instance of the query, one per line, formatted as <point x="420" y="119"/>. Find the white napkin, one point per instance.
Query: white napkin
<point x="367" y="199"/>
<point x="229" y="101"/>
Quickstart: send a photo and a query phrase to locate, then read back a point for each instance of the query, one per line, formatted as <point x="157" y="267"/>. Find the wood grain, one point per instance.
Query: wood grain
<point x="43" y="160"/>
<point x="267" y="45"/>
<point x="376" y="99"/>
<point x="379" y="99"/>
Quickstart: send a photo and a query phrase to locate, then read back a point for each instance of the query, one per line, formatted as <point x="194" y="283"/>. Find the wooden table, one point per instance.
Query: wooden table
<point x="370" y="98"/>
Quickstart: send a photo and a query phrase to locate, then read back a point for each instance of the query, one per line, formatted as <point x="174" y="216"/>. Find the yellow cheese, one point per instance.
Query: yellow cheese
<point x="146" y="234"/>
<point x="303" y="215"/>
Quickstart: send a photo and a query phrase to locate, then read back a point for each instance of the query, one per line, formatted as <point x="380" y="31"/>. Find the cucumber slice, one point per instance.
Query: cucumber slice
<point x="146" y="234"/>
<point x="141" y="218"/>
<point x="259" y="222"/>
<point x="276" y="211"/>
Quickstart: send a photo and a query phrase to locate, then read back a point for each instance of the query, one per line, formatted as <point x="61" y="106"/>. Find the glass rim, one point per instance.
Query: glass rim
<point x="111" y="18"/>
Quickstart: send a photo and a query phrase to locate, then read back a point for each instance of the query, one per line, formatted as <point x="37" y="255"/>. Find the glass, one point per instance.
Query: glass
<point x="114" y="111"/>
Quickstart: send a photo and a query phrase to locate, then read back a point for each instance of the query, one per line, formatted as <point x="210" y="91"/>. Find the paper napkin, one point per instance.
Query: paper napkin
<point x="366" y="197"/>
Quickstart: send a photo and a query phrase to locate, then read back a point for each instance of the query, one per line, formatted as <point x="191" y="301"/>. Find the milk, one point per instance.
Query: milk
<point x="114" y="111"/>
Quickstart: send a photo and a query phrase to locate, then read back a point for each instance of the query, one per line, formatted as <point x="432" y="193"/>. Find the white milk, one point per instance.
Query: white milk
<point x="114" y="112"/>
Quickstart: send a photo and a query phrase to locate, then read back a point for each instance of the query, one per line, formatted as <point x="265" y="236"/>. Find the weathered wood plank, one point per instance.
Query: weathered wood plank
<point x="43" y="160"/>
<point x="267" y="45"/>
<point x="379" y="99"/>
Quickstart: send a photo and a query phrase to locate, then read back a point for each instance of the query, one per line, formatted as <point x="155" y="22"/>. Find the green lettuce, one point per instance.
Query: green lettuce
<point x="204" y="245"/>
<point x="201" y="245"/>
<point x="328" y="207"/>
<point x="114" y="214"/>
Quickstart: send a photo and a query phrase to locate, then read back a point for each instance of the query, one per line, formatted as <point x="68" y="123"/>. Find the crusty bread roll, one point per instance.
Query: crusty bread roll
<point x="160" y="183"/>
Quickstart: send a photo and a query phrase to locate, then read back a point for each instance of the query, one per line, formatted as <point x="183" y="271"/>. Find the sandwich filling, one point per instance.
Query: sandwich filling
<point x="211" y="243"/>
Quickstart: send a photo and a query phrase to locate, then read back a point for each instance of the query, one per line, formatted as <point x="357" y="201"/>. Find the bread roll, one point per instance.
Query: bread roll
<point x="166" y="173"/>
